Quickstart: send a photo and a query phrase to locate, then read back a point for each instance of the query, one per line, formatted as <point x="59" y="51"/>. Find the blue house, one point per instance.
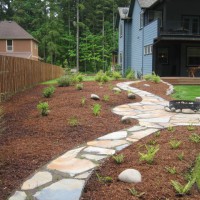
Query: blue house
<point x="161" y="36"/>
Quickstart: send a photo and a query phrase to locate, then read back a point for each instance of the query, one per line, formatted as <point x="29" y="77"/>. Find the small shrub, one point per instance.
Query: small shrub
<point x="106" y="98"/>
<point x="156" y="79"/>
<point x="152" y="142"/>
<point x="157" y="134"/>
<point x="171" y="170"/>
<point x="175" y="144"/>
<point x="149" y="156"/>
<point x="152" y="77"/>
<point x="96" y="109"/>
<point x="147" y="77"/>
<point x="65" y="81"/>
<point x="131" y="75"/>
<point x="118" y="158"/>
<point x="48" y="92"/>
<point x="171" y="128"/>
<point x="195" y="138"/>
<point x="182" y="189"/>
<point x="116" y="75"/>
<point x="83" y="101"/>
<point x="104" y="78"/>
<point x="180" y="156"/>
<point x="104" y="179"/>
<point x="79" y="86"/>
<point x="77" y="78"/>
<point x="101" y="77"/>
<point x="191" y="127"/>
<point x="196" y="170"/>
<point x="117" y="92"/>
<point x="73" y="121"/>
<point x="43" y="107"/>
<point x="135" y="193"/>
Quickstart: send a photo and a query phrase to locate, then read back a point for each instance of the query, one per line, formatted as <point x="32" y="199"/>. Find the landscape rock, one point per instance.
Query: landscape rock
<point x="197" y="99"/>
<point x="188" y="111"/>
<point x="167" y="109"/>
<point x="130" y="176"/>
<point x="131" y="96"/>
<point x="146" y="85"/>
<point x="173" y="109"/>
<point x="178" y="110"/>
<point x="116" y="89"/>
<point x="95" y="97"/>
<point x="126" y="120"/>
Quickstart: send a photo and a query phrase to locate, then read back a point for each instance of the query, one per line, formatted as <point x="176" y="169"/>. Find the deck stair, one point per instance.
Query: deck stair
<point x="182" y="80"/>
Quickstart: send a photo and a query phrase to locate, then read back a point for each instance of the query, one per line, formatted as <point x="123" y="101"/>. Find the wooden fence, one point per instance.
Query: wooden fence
<point x="17" y="74"/>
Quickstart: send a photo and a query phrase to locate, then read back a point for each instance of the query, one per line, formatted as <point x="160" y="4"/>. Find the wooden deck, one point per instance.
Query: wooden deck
<point x="182" y="80"/>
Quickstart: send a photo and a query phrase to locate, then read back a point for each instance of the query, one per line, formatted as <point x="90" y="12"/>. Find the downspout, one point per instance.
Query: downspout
<point x="143" y="45"/>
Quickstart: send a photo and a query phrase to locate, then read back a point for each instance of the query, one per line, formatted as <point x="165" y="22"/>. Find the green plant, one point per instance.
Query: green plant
<point x="171" y="128"/>
<point x="101" y="77"/>
<point x="104" y="179"/>
<point x="152" y="77"/>
<point x="180" y="156"/>
<point x="77" y="78"/>
<point x="118" y="158"/>
<point x="65" y="81"/>
<point x="183" y="189"/>
<point x="43" y="107"/>
<point x="152" y="142"/>
<point x="196" y="170"/>
<point x="147" y="77"/>
<point x="106" y="97"/>
<point x="175" y="144"/>
<point x="191" y="127"/>
<point x="117" y="92"/>
<point x="83" y="101"/>
<point x="135" y="193"/>
<point x="156" y="79"/>
<point x="195" y="138"/>
<point x="96" y="109"/>
<point x="157" y="134"/>
<point x="131" y="75"/>
<point x="79" y="86"/>
<point x="73" y="121"/>
<point x="116" y="75"/>
<point x="48" y="91"/>
<point x="171" y="170"/>
<point x="149" y="156"/>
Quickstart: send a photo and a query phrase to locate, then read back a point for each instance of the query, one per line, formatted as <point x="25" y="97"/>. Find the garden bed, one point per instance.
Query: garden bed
<point x="30" y="140"/>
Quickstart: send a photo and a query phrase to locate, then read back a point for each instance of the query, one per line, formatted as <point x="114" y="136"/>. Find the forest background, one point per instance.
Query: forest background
<point x="54" y="24"/>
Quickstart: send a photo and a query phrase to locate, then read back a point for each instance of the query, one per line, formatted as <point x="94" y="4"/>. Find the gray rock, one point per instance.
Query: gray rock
<point x="198" y="99"/>
<point x="130" y="176"/>
<point x="116" y="89"/>
<point x="131" y="96"/>
<point x="95" y="97"/>
<point x="146" y="85"/>
<point x="18" y="196"/>
<point x="188" y="111"/>
<point x="167" y="109"/>
<point x="178" y="110"/>
<point x="126" y="120"/>
<point x="173" y="109"/>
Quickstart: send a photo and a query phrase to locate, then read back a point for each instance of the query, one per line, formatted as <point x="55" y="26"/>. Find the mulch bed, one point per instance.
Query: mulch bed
<point x="30" y="140"/>
<point x="156" y="181"/>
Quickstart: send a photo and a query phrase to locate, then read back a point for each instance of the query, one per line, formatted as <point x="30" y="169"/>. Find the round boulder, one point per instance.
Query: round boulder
<point x="116" y="89"/>
<point x="126" y="120"/>
<point x="131" y="96"/>
<point x="130" y="176"/>
<point x="95" y="97"/>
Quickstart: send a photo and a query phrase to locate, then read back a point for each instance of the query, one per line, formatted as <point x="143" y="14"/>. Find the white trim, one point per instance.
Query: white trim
<point x="9" y="46"/>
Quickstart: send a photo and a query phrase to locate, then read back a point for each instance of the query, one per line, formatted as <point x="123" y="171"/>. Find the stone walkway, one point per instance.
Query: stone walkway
<point x="65" y="177"/>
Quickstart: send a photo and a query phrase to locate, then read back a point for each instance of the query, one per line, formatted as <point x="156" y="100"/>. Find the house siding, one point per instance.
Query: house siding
<point x="150" y="33"/>
<point x="121" y="43"/>
<point x="137" y="42"/>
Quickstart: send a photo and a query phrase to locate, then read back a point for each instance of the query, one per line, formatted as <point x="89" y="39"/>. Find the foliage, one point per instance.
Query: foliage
<point x="77" y="78"/>
<point x="96" y="109"/>
<point x="171" y="170"/>
<point x="43" y="107"/>
<point x="101" y="77"/>
<point x="106" y="97"/>
<point x="131" y="75"/>
<point x="48" y="91"/>
<point x="171" y="128"/>
<point x="157" y="134"/>
<point x="195" y="138"/>
<point x="104" y="179"/>
<point x="116" y="75"/>
<point x="196" y="170"/>
<point x="135" y="193"/>
<point x="182" y="189"/>
<point x="152" y="77"/>
<point x="73" y="121"/>
<point x="65" y="81"/>
<point x="181" y="156"/>
<point x="79" y="86"/>
<point x="175" y="144"/>
<point x="147" y="77"/>
<point x="191" y="127"/>
<point x="152" y="142"/>
<point x="118" y="158"/>
<point x="149" y="156"/>
<point x="83" y="101"/>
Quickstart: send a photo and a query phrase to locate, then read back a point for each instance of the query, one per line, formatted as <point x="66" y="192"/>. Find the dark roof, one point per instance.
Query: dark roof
<point x="147" y="3"/>
<point x="11" y="30"/>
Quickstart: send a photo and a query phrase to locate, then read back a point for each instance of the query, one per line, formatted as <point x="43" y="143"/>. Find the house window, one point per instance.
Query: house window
<point x="153" y="15"/>
<point x="142" y="19"/>
<point x="9" y="45"/>
<point x="163" y="55"/>
<point x="120" y="30"/>
<point x="148" y="49"/>
<point x="193" y="56"/>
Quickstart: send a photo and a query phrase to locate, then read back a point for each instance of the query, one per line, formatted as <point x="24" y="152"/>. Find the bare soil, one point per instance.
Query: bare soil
<point x="30" y="140"/>
<point x="156" y="180"/>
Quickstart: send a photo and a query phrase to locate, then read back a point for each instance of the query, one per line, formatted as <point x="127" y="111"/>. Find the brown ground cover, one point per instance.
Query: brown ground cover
<point x="156" y="183"/>
<point x="31" y="140"/>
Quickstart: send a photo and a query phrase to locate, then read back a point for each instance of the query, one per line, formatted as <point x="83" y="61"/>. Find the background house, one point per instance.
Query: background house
<point x="15" y="41"/>
<point x="161" y="36"/>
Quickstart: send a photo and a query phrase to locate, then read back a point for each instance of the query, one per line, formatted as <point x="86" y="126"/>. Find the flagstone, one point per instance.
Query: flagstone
<point x="99" y="151"/>
<point x="140" y="134"/>
<point x="160" y="119"/>
<point x="119" y="148"/>
<point x="93" y="157"/>
<point x="71" y="166"/>
<point x="18" y="196"/>
<point x="114" y="136"/>
<point x="84" y="175"/>
<point x="69" y="189"/>
<point x="107" y="143"/>
<point x="37" y="180"/>
<point x="72" y="153"/>
<point x="133" y="140"/>
<point x="136" y="128"/>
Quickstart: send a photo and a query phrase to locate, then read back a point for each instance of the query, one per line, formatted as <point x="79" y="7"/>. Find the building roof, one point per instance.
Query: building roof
<point x="17" y="54"/>
<point x="147" y="3"/>
<point x="11" y="30"/>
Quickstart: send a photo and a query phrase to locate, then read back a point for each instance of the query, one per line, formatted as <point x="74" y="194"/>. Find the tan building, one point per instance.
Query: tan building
<point x="15" y="41"/>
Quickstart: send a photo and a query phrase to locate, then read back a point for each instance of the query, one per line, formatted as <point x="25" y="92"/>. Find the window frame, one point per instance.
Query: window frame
<point x="187" y="57"/>
<point x="8" y="46"/>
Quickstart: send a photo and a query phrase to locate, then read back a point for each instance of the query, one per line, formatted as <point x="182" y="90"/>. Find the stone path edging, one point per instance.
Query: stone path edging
<point x="67" y="175"/>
